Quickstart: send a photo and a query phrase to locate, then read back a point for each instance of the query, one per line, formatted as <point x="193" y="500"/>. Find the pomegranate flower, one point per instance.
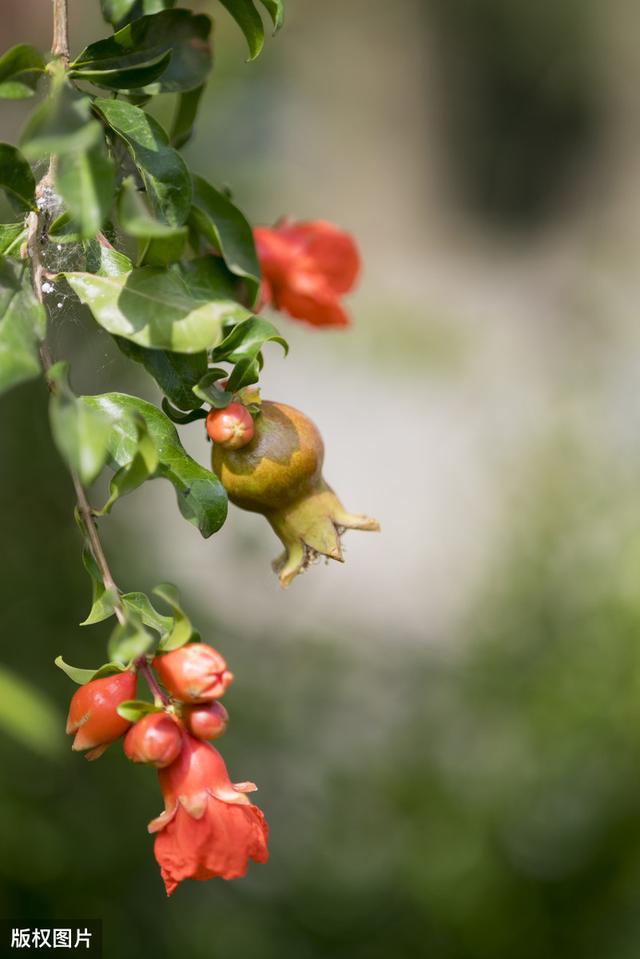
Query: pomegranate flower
<point x="155" y="740"/>
<point x="306" y="267"/>
<point x="206" y="720"/>
<point x="92" y="712"/>
<point x="208" y="827"/>
<point x="195" y="673"/>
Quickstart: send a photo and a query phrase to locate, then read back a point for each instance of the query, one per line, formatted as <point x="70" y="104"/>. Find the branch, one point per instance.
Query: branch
<point x="36" y="237"/>
<point x="60" y="45"/>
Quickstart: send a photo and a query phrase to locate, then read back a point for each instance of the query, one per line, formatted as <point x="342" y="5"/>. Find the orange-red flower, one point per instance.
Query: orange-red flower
<point x="205" y="720"/>
<point x="208" y="827"/>
<point x="92" y="712"/>
<point x="195" y="673"/>
<point x="306" y="268"/>
<point x="155" y="740"/>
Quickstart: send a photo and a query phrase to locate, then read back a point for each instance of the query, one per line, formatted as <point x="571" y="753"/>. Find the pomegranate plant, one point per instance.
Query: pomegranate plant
<point x="168" y="265"/>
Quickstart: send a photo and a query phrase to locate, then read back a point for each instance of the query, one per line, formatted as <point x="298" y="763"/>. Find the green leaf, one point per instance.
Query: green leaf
<point x="103" y="260"/>
<point x="275" y="9"/>
<point x="78" y="675"/>
<point x="164" y="250"/>
<point x="247" y="339"/>
<point x="185" y="116"/>
<point x="61" y="124"/>
<point x="102" y="600"/>
<point x="227" y="229"/>
<point x="80" y="433"/>
<point x="142" y="466"/>
<point x="12" y="236"/>
<point x="128" y="641"/>
<point x="28" y="715"/>
<point x="119" y="12"/>
<point x="179" y="416"/>
<point x="182" y="629"/>
<point x="164" y="173"/>
<point x="243" y="346"/>
<point x="184" y="34"/>
<point x="208" y="278"/>
<point x="141" y="606"/>
<point x="175" y="373"/>
<point x="206" y="389"/>
<point x="82" y="676"/>
<point x="20" y="70"/>
<point x="23" y="324"/>
<point x="249" y="21"/>
<point x="126" y="78"/>
<point x="153" y="307"/>
<point x="201" y="497"/>
<point x="17" y="179"/>
<point x="85" y="180"/>
<point x="137" y="220"/>
<point x="135" y="709"/>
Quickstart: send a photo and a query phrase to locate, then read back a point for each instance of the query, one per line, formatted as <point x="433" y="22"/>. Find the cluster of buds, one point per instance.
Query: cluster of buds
<point x="208" y="827"/>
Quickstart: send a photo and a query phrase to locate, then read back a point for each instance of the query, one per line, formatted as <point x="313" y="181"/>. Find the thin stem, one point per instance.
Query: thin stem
<point x="36" y="239"/>
<point x="34" y="248"/>
<point x="159" y="696"/>
<point x="60" y="45"/>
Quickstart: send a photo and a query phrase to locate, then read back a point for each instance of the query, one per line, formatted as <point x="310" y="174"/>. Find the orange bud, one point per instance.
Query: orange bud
<point x="195" y="673"/>
<point x="156" y="740"/>
<point x="92" y="713"/>
<point x="208" y="721"/>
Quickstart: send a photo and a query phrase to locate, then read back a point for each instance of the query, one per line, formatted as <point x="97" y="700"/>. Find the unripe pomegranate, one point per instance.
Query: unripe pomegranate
<point x="92" y="712"/>
<point x="279" y="474"/>
<point x="195" y="673"/>
<point x="232" y="427"/>
<point x="156" y="740"/>
<point x="208" y="721"/>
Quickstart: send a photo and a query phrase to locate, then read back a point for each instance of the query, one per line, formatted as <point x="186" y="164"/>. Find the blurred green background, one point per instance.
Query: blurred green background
<point x="446" y="730"/>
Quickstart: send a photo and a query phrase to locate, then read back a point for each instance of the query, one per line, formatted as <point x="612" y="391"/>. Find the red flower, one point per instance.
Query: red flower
<point x="206" y="720"/>
<point x="208" y="827"/>
<point x="92" y="713"/>
<point x="156" y="740"/>
<point x="195" y="673"/>
<point x="305" y="268"/>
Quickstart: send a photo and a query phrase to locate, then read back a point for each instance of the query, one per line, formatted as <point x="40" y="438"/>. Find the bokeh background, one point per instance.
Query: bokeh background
<point x="446" y="730"/>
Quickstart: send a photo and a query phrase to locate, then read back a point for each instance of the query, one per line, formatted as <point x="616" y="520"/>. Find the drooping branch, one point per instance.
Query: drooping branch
<point x="35" y="241"/>
<point x="60" y="45"/>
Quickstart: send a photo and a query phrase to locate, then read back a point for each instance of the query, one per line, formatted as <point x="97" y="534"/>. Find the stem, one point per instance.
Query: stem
<point x="36" y="238"/>
<point x="60" y="45"/>
<point x="159" y="696"/>
<point x="34" y="249"/>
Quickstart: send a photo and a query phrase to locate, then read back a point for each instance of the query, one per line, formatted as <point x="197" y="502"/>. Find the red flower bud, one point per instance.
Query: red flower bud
<point x="195" y="673"/>
<point x="92" y="713"/>
<point x="306" y="267"/>
<point x="208" y="827"/>
<point x="156" y="740"/>
<point x="231" y="427"/>
<point x="208" y="721"/>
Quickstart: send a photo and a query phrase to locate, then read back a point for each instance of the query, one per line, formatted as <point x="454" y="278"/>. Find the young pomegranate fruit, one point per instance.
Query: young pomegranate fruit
<point x="231" y="427"/>
<point x="279" y="474"/>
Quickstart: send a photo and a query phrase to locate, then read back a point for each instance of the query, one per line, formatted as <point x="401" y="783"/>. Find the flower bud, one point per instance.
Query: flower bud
<point x="195" y="673"/>
<point x="156" y="740"/>
<point x="208" y="721"/>
<point x="92" y="713"/>
<point x="232" y="427"/>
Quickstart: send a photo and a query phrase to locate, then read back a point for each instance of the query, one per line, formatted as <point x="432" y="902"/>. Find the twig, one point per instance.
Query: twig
<point x="60" y="45"/>
<point x="143" y="666"/>
<point x="36" y="237"/>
